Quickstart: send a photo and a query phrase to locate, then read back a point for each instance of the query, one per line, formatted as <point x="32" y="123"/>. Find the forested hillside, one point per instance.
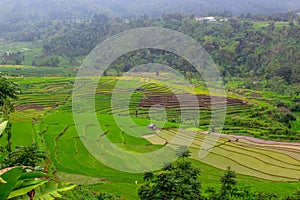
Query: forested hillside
<point x="264" y="53"/>
<point x="16" y="15"/>
<point x="199" y="7"/>
<point x="134" y="8"/>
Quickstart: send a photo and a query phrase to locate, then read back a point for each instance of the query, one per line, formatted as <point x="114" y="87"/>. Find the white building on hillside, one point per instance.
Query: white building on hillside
<point x="206" y="19"/>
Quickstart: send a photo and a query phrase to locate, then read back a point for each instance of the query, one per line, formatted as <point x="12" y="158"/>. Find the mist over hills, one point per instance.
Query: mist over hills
<point x="198" y="7"/>
<point x="26" y="15"/>
<point x="65" y="9"/>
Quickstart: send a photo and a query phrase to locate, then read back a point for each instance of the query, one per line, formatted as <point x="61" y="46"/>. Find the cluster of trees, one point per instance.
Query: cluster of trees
<point x="277" y="17"/>
<point x="82" y="192"/>
<point x="180" y="180"/>
<point x="15" y="11"/>
<point x="241" y="48"/>
<point x="265" y="56"/>
<point x="18" y="58"/>
<point x="12" y="58"/>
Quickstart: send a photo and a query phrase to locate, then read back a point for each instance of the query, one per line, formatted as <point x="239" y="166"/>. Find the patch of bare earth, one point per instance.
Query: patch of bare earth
<point x="186" y="100"/>
<point x="33" y="106"/>
<point x="284" y="110"/>
<point x="155" y="139"/>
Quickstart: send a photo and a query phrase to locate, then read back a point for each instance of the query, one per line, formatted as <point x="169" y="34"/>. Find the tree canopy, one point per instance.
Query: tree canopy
<point x="179" y="180"/>
<point x="8" y="92"/>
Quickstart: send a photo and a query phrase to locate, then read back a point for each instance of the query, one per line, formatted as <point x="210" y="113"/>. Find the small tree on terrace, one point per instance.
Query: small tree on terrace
<point x="228" y="183"/>
<point x="8" y="92"/>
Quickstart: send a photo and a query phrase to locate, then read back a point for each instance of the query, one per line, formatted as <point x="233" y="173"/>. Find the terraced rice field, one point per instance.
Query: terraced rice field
<point x="264" y="159"/>
<point x="44" y="112"/>
<point x="35" y="101"/>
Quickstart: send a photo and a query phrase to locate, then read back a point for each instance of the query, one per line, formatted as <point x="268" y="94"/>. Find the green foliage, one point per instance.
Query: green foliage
<point x="19" y="184"/>
<point x="238" y="46"/>
<point x="8" y="92"/>
<point x="26" y="187"/>
<point x="79" y="192"/>
<point x="228" y="184"/>
<point x="183" y="152"/>
<point x="11" y="177"/>
<point x="83" y="193"/>
<point x="12" y="58"/>
<point x="51" y="190"/>
<point x="38" y="71"/>
<point x="148" y="176"/>
<point x="241" y="47"/>
<point x="106" y="196"/>
<point x="2" y="126"/>
<point x="69" y="155"/>
<point x="25" y="156"/>
<point x="295" y="196"/>
<point x="177" y="181"/>
<point x="231" y="190"/>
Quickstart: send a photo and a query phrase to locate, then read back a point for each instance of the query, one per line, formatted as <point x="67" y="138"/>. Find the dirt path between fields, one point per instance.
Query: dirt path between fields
<point x="155" y="139"/>
<point x="235" y="138"/>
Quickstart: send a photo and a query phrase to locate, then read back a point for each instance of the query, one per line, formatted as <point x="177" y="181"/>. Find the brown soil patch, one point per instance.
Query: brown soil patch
<point x="284" y="110"/>
<point x="33" y="106"/>
<point x="186" y="100"/>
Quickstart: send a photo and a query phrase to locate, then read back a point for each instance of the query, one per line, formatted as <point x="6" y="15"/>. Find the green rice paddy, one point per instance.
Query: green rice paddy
<point x="44" y="115"/>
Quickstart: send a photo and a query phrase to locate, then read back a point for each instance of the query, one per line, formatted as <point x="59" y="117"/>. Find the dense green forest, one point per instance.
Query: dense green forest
<point x="19" y="15"/>
<point x="264" y="53"/>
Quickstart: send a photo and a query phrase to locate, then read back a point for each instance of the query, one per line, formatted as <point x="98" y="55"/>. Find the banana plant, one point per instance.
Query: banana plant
<point x="3" y="125"/>
<point x="17" y="184"/>
<point x="10" y="179"/>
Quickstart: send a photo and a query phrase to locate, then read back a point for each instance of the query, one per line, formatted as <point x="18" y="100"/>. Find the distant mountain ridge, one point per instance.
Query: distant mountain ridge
<point x="62" y="9"/>
<point x="51" y="9"/>
<point x="200" y="7"/>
